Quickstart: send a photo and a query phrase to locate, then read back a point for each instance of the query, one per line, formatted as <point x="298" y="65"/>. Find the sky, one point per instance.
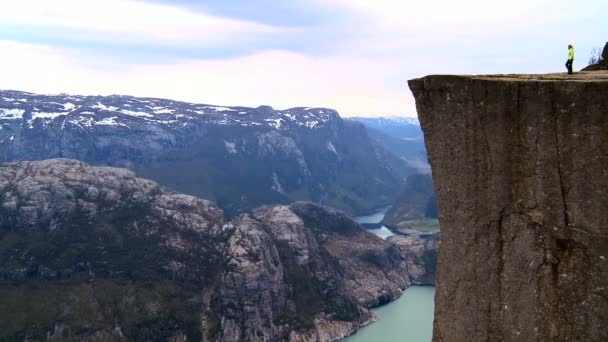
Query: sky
<point x="351" y="55"/>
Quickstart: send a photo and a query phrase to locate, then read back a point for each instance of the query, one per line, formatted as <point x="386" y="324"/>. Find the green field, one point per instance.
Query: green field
<point x="424" y="225"/>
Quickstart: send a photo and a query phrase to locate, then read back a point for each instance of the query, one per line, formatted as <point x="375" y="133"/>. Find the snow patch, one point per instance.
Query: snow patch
<point x="101" y="106"/>
<point x="331" y="147"/>
<point x="312" y="124"/>
<point x="69" y="106"/>
<point x="221" y="109"/>
<point x="290" y="116"/>
<point x="163" y="110"/>
<point x="230" y="147"/>
<point x="276" y="123"/>
<point x="82" y="120"/>
<point x="276" y="185"/>
<point x="110" y="122"/>
<point x="136" y="114"/>
<point x="11" y="114"/>
<point x="42" y="115"/>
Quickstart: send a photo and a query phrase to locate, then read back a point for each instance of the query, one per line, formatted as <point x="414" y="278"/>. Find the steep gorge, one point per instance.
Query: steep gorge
<point x="97" y="254"/>
<point x="520" y="166"/>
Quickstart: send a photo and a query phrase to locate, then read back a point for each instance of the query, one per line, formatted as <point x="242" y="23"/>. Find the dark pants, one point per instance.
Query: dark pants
<point x="569" y="65"/>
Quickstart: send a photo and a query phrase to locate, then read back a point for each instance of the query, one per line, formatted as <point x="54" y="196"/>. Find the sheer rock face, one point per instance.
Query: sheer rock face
<point x="95" y="252"/>
<point x="520" y="164"/>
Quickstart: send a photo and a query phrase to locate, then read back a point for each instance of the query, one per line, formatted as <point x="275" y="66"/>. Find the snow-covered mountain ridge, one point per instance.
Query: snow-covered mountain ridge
<point x="239" y="157"/>
<point x="124" y="111"/>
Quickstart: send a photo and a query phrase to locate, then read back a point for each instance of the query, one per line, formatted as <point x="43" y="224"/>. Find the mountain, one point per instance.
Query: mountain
<point x="420" y="251"/>
<point x="520" y="164"/>
<point x="416" y="202"/>
<point x="400" y="127"/>
<point x="95" y="253"/>
<point x="238" y="157"/>
<point x="402" y="137"/>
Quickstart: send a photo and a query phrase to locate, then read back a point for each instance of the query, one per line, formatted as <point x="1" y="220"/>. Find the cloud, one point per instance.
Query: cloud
<point x="476" y="16"/>
<point x="128" y="20"/>
<point x="352" y="55"/>
<point x="353" y="86"/>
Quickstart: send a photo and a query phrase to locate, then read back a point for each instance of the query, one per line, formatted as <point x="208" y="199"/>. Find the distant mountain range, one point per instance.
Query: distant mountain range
<point x="402" y="137"/>
<point x="238" y="157"/>
<point x="400" y="127"/>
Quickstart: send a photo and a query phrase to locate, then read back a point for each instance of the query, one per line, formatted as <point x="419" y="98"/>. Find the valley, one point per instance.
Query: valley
<point x="147" y="244"/>
<point x="409" y="318"/>
<point x="284" y="171"/>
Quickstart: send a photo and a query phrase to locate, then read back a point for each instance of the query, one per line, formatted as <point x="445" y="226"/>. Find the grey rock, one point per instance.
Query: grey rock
<point x="106" y="255"/>
<point x="420" y="252"/>
<point x="496" y="144"/>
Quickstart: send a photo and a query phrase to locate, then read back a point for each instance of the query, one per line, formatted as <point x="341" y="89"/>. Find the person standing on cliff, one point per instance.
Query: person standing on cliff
<point x="570" y="59"/>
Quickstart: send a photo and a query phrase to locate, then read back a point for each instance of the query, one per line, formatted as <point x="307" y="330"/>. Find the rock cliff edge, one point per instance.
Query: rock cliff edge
<point x="520" y="165"/>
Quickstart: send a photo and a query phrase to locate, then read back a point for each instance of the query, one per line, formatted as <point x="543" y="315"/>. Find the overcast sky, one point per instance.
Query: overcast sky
<point x="351" y="55"/>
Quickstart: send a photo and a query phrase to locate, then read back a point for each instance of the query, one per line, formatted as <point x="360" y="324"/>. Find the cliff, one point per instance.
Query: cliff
<point x="97" y="254"/>
<point x="520" y="165"/>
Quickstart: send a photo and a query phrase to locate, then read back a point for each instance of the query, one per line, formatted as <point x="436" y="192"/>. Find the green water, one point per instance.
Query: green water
<point x="408" y="319"/>
<point x="382" y="232"/>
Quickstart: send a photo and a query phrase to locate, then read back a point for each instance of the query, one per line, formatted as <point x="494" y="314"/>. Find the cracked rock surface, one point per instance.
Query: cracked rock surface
<point x="522" y="191"/>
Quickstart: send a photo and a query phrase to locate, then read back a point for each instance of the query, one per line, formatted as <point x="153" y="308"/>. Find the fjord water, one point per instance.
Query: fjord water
<point x="407" y="319"/>
<point x="375" y="218"/>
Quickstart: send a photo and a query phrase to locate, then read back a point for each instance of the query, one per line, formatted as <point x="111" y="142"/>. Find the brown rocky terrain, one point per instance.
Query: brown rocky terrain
<point x="522" y="191"/>
<point x="420" y="251"/>
<point x="97" y="254"/>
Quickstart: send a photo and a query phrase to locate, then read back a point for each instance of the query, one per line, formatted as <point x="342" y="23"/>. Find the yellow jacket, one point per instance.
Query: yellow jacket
<point x="571" y="53"/>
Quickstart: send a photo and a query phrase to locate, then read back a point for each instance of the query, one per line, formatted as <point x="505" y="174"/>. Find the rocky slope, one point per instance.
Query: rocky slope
<point x="602" y="64"/>
<point x="416" y="201"/>
<point x="95" y="253"/>
<point x="401" y="137"/>
<point x="420" y="251"/>
<point x="522" y="190"/>
<point x="238" y="157"/>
